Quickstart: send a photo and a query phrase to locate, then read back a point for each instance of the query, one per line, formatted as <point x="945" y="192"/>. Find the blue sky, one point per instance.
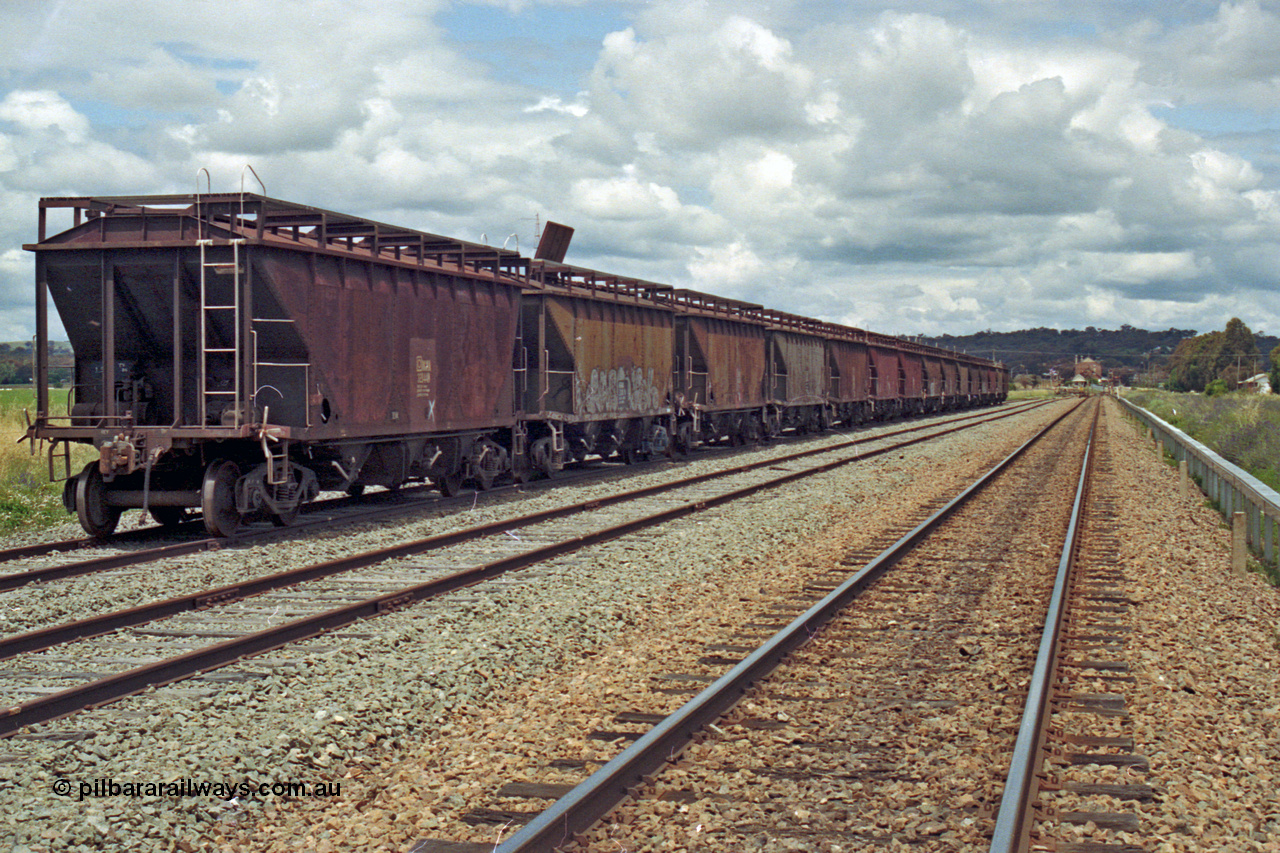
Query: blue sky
<point x="925" y="167"/>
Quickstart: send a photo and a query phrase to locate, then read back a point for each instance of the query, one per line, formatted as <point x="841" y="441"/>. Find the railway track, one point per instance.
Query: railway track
<point x="1075" y="773"/>
<point x="252" y="616"/>
<point x="132" y="548"/>
<point x="867" y="736"/>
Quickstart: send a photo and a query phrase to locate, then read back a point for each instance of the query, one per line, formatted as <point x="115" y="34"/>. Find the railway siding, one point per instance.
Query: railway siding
<point x="479" y="753"/>
<point x="338" y="706"/>
<point x="433" y="720"/>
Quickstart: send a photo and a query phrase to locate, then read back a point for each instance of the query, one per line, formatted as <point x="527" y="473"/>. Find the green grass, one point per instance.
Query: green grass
<point x="27" y="498"/>
<point x="1243" y="428"/>
<point x="1030" y="393"/>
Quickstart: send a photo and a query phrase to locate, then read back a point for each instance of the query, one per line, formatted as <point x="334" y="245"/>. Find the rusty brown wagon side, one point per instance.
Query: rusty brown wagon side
<point x="934" y="382"/>
<point x="911" y="364"/>
<point x="595" y="366"/>
<point x="719" y="368"/>
<point x="796" y="382"/>
<point x="849" y="383"/>
<point x="217" y="336"/>
<point x="888" y="384"/>
<point x="950" y="384"/>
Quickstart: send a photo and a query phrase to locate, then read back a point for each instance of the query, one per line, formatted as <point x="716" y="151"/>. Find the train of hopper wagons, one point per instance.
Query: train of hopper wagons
<point x="237" y="355"/>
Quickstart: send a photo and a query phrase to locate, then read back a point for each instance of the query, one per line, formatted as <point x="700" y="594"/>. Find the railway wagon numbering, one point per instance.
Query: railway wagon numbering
<point x="237" y="354"/>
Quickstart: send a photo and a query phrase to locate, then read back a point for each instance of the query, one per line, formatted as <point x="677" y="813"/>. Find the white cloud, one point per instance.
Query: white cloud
<point x="1144" y="267"/>
<point x="919" y="171"/>
<point x="577" y="109"/>
<point x="44" y="111"/>
<point x="623" y="197"/>
<point x="735" y="270"/>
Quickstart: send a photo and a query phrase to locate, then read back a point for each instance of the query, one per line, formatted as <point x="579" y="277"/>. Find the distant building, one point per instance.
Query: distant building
<point x="1089" y="369"/>
<point x="1260" y="384"/>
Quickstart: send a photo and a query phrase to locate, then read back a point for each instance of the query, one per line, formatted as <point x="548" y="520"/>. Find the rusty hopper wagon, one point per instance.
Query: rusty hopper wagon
<point x="237" y="355"/>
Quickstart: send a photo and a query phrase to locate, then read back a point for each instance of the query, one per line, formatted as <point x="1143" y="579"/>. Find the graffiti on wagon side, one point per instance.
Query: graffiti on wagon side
<point x="619" y="389"/>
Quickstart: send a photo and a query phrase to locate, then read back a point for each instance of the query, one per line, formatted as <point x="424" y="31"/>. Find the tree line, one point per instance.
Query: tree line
<point x="1217" y="362"/>
<point x="16" y="362"/>
<point x="1172" y="357"/>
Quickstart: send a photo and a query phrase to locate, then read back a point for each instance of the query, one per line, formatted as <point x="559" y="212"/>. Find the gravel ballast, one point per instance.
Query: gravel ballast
<point x="1212" y="754"/>
<point x="340" y="706"/>
<point x="458" y="697"/>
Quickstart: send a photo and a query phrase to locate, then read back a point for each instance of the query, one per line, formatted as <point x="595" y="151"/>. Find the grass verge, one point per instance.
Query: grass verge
<point x="1243" y="428"/>
<point x="27" y="498"/>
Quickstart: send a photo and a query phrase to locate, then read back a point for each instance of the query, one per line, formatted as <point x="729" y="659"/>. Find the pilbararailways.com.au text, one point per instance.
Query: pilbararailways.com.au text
<point x="180" y="788"/>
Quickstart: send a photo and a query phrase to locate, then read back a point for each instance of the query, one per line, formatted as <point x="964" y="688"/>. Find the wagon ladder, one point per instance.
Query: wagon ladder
<point x="209" y="392"/>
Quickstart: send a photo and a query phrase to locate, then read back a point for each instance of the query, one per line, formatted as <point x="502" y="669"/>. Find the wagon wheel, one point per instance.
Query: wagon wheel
<point x="218" y="498"/>
<point x="286" y="518"/>
<point x="169" y="516"/>
<point x="543" y="457"/>
<point x="450" y="485"/>
<point x="96" y="517"/>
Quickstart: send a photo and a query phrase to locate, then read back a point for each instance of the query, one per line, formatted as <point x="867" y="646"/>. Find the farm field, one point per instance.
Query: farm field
<point x="27" y="498"/>
<point x="1244" y="428"/>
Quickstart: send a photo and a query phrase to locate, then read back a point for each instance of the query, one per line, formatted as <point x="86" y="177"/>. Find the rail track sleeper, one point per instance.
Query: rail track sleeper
<point x="221" y="654"/>
<point x="577" y="811"/>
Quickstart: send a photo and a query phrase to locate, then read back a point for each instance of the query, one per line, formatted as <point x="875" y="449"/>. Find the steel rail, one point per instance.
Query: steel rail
<point x="178" y="549"/>
<point x="578" y="810"/>
<point x="214" y="543"/>
<point x="45" y="638"/>
<point x="164" y="671"/>
<point x="1014" y="818"/>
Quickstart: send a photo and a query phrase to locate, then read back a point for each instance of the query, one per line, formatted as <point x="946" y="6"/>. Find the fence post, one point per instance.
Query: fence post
<point x="1182" y="478"/>
<point x="1238" y="549"/>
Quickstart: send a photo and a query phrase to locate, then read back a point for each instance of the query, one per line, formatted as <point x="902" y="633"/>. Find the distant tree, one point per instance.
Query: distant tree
<point x="1239" y="350"/>
<point x="1191" y="366"/>
<point x="1227" y="355"/>
<point x="1216" y="388"/>
<point x="1275" y="370"/>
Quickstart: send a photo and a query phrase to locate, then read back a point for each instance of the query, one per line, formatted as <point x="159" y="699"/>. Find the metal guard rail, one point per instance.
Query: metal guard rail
<point x="1232" y="488"/>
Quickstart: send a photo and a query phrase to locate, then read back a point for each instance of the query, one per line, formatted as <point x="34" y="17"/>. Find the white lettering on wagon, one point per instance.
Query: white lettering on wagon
<point x="422" y="366"/>
<point x="422" y="355"/>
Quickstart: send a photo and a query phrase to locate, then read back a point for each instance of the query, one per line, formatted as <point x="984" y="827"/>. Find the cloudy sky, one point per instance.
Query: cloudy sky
<point x="929" y="167"/>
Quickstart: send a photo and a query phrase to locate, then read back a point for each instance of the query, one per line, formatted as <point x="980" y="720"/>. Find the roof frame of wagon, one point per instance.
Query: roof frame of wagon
<point x="269" y="220"/>
<point x="711" y="303"/>
<point x="570" y="278"/>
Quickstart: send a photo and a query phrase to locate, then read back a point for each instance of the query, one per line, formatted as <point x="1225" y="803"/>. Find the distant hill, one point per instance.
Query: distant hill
<point x="1132" y="352"/>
